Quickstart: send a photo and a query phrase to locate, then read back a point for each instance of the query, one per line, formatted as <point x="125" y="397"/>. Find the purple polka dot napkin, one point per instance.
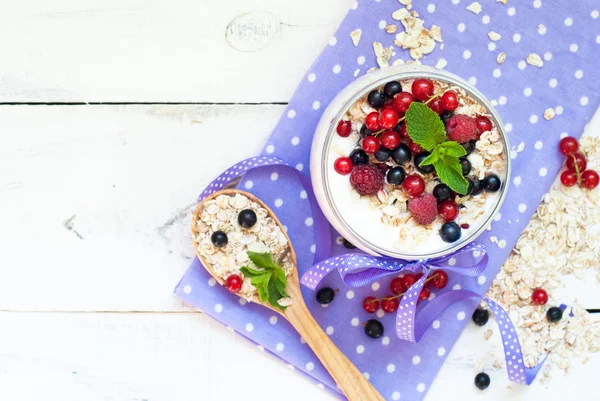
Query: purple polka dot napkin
<point x="565" y="34"/>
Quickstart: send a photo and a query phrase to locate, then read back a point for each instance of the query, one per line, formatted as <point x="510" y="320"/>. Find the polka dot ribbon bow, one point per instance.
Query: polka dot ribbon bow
<point x="358" y="270"/>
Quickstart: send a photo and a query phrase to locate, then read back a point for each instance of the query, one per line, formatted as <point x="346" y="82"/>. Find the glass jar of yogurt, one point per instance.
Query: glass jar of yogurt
<point x="354" y="140"/>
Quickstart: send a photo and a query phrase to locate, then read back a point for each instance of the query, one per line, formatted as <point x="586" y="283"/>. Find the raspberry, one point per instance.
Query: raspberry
<point x="461" y="128"/>
<point x="423" y="209"/>
<point x="367" y="179"/>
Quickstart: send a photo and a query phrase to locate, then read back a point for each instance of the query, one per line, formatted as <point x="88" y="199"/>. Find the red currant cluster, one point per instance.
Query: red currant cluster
<point x="438" y="280"/>
<point x="576" y="164"/>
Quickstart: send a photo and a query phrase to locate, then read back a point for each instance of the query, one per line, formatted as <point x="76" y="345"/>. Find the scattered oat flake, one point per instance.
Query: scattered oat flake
<point x="441" y="63"/>
<point x="494" y="36"/>
<point x="501" y="58"/>
<point x="535" y="60"/>
<point x="391" y="28"/>
<point x="383" y="54"/>
<point x="549" y="113"/>
<point x="501" y="1"/>
<point x="474" y="7"/>
<point x="407" y="3"/>
<point x="355" y="35"/>
<point x="398" y="62"/>
<point x="418" y="39"/>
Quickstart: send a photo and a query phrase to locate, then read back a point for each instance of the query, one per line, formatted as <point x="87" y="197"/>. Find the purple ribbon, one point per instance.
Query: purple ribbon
<point x="358" y="270"/>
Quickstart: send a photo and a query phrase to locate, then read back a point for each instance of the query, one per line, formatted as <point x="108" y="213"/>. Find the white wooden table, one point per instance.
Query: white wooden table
<point x="113" y="116"/>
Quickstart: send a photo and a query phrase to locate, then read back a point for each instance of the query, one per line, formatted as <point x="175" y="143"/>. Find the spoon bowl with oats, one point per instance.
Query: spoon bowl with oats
<point x="242" y="244"/>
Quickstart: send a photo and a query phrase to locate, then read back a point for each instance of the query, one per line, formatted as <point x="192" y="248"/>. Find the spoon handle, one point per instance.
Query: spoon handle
<point x="352" y="383"/>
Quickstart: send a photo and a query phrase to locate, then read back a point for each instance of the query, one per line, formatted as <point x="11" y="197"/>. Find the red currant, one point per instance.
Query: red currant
<point x="403" y="131"/>
<point x="568" y="145"/>
<point x="390" y="139"/>
<point x="413" y="185"/>
<point x="590" y="179"/>
<point x="415" y="147"/>
<point x="389" y="304"/>
<point x="418" y="276"/>
<point x="437" y="105"/>
<point x="344" y="127"/>
<point x="448" y="209"/>
<point x="422" y="89"/>
<point x="425" y="294"/>
<point x="439" y="279"/>
<point x="450" y="100"/>
<point x="576" y="159"/>
<point x="388" y="118"/>
<point x="370" y="304"/>
<point x="568" y="178"/>
<point x="371" y="144"/>
<point x="539" y="297"/>
<point x="372" y="121"/>
<point x="408" y="280"/>
<point x="343" y="165"/>
<point x="234" y="283"/>
<point x="465" y="226"/>
<point x="397" y="286"/>
<point x="483" y="124"/>
<point x="402" y="101"/>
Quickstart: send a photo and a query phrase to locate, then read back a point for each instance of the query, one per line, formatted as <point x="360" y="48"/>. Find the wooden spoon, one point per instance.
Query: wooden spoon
<point x="349" y="379"/>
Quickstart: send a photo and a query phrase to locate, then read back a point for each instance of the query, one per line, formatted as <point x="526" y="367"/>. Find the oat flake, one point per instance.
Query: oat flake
<point x="355" y="35"/>
<point x="474" y="8"/>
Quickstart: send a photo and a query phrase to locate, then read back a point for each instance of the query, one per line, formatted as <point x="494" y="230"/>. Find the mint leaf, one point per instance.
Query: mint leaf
<point x="250" y="272"/>
<point x="262" y="260"/>
<point x="449" y="171"/>
<point x="259" y="283"/>
<point x="432" y="158"/>
<point x="452" y="149"/>
<point x="424" y="126"/>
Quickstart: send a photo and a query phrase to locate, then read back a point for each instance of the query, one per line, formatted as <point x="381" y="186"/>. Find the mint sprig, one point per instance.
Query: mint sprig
<point x="426" y="128"/>
<point x="268" y="278"/>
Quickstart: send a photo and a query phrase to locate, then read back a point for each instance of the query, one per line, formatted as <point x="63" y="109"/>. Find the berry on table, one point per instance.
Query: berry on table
<point x="442" y="192"/>
<point x="372" y="121"/>
<point x="414" y="185"/>
<point x="590" y="179"/>
<point x="347" y="244"/>
<point x="402" y="102"/>
<point x="391" y="89"/>
<point x="539" y="297"/>
<point x="423" y="169"/>
<point x="390" y="139"/>
<point x="450" y="100"/>
<point x="219" y="239"/>
<point x="358" y="156"/>
<point x="343" y="165"/>
<point x="370" y="304"/>
<point x="424" y="294"/>
<point x="492" y="183"/>
<point x="247" y="218"/>
<point x="450" y="232"/>
<point x="482" y="381"/>
<point x="390" y="304"/>
<point x="439" y="279"/>
<point x="376" y="99"/>
<point x="408" y="280"/>
<point x="367" y="179"/>
<point x="383" y="154"/>
<point x="415" y="147"/>
<point x="344" y="127"/>
<point x="397" y="286"/>
<point x="448" y="209"/>
<point x="568" y="178"/>
<point x="388" y="118"/>
<point x="437" y="105"/>
<point x="374" y="328"/>
<point x="568" y="145"/>
<point x="422" y="89"/>
<point x="423" y="209"/>
<point x="371" y="144"/>
<point x="234" y="283"/>
<point x="401" y="154"/>
<point x="576" y="162"/>
<point x="554" y="314"/>
<point x="483" y="124"/>
<point x="465" y="165"/>
<point x="481" y="317"/>
<point x="325" y="295"/>
<point x="396" y="175"/>
<point x="461" y="128"/>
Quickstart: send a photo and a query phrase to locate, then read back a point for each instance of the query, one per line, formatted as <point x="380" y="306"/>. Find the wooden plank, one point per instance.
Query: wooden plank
<point x="148" y="51"/>
<point x="189" y="357"/>
<point x="95" y="201"/>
